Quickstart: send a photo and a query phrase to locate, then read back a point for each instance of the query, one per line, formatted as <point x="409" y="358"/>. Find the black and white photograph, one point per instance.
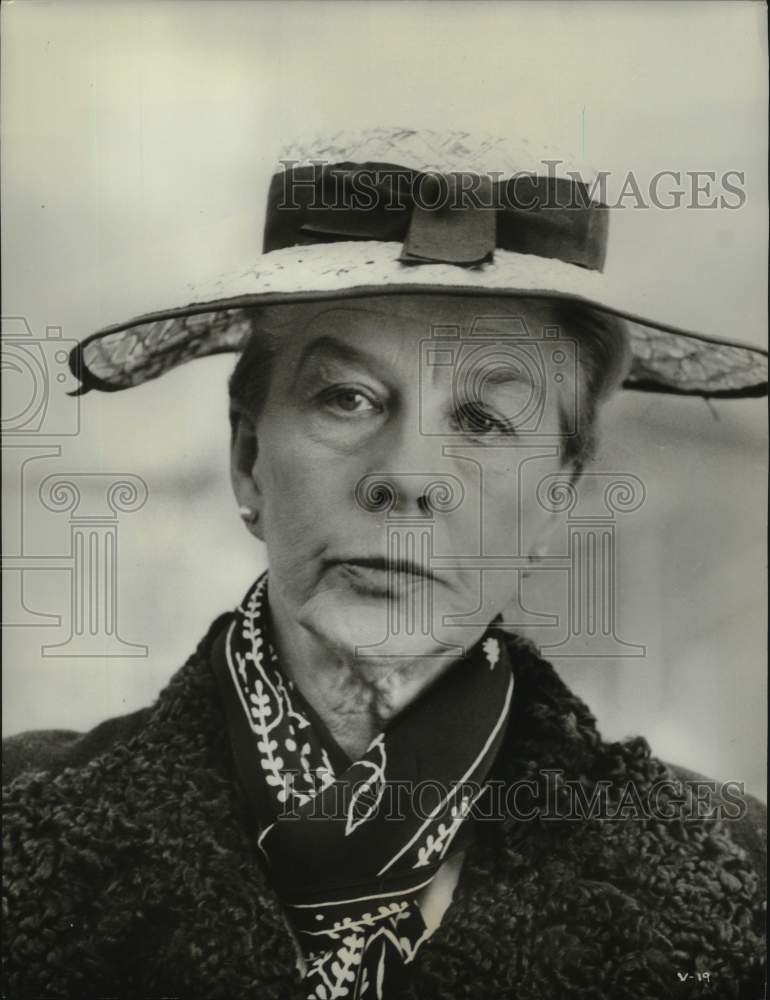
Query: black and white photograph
<point x="384" y="524"/>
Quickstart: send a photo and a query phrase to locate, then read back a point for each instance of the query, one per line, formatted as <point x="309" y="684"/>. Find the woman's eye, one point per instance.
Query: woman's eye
<point x="475" y="419"/>
<point x="350" y="401"/>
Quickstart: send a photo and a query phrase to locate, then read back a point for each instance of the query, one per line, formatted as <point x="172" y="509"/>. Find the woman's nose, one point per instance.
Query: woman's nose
<point x="407" y="475"/>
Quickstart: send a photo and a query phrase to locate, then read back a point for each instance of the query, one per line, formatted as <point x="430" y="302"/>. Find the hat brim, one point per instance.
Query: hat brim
<point x="219" y="319"/>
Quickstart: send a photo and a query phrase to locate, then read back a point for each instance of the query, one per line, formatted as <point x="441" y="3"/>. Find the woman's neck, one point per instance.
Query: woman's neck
<point x="355" y="696"/>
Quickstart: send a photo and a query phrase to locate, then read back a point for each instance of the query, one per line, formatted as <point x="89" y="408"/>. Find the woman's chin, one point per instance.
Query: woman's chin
<point x="346" y="621"/>
<point x="355" y="623"/>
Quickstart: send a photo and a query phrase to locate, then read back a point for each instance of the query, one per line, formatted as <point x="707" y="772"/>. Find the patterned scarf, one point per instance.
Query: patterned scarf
<point x="349" y="845"/>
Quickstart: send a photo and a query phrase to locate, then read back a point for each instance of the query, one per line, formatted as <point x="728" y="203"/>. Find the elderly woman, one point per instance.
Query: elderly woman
<point x="361" y="784"/>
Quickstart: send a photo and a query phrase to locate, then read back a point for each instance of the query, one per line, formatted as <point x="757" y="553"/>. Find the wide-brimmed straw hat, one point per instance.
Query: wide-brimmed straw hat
<point x="394" y="211"/>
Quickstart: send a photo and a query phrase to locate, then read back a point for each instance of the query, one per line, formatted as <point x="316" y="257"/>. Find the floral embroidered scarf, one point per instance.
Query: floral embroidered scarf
<point x="349" y="845"/>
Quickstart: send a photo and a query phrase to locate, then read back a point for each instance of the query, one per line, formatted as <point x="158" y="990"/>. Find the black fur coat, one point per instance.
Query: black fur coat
<point x="130" y="871"/>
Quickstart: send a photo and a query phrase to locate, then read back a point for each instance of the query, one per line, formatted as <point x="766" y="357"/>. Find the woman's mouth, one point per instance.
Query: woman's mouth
<point x="380" y="577"/>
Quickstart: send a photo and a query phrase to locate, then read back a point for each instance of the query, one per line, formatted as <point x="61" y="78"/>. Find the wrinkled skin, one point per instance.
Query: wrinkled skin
<point x="354" y="401"/>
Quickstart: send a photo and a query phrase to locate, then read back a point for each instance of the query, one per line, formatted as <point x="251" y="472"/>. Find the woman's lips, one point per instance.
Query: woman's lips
<point x="381" y="577"/>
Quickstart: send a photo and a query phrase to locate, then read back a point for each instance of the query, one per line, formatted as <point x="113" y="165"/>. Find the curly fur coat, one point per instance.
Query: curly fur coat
<point x="130" y="872"/>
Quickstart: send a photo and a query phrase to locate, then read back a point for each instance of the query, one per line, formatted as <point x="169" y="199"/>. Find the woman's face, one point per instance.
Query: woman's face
<point x="395" y="462"/>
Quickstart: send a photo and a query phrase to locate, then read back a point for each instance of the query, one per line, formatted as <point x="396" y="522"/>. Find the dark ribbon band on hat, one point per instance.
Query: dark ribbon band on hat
<point x="456" y="218"/>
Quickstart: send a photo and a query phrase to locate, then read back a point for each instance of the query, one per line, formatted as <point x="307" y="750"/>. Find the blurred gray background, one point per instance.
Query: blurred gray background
<point x="137" y="140"/>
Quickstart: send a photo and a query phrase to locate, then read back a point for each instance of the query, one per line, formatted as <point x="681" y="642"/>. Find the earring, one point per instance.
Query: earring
<point x="249" y="514"/>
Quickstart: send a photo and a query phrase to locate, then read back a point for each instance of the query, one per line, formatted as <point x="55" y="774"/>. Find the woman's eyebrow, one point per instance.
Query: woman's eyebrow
<point x="328" y="348"/>
<point x="504" y="374"/>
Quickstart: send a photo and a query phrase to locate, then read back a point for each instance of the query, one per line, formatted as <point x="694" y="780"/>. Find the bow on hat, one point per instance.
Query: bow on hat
<point x="455" y="218"/>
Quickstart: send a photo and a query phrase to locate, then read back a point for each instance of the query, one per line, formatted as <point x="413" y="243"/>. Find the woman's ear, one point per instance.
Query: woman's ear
<point x="243" y="459"/>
